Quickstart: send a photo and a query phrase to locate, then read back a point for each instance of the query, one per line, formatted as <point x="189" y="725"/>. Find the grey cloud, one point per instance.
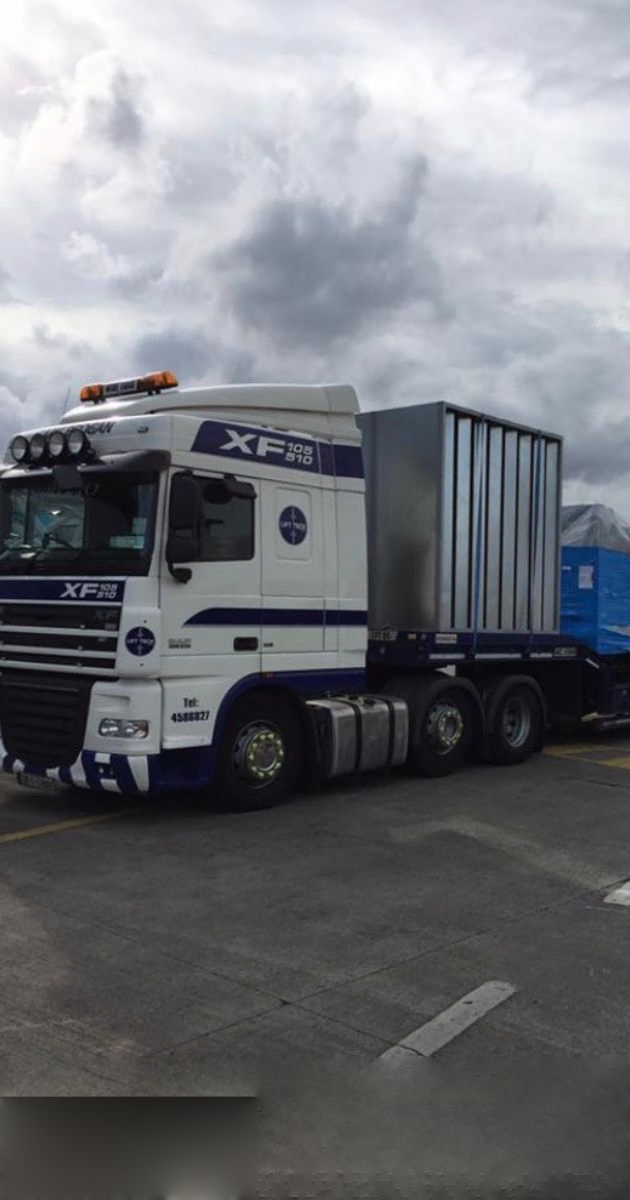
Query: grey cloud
<point x="15" y="382"/>
<point x="309" y="274"/>
<point x="117" y="117"/>
<point x="46" y="340"/>
<point x="193" y="356"/>
<point x="6" y="279"/>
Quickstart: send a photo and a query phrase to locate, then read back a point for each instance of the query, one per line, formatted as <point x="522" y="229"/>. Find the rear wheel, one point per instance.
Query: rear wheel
<point x="444" y="716"/>
<point x="261" y="755"/>
<point x="515" y="723"/>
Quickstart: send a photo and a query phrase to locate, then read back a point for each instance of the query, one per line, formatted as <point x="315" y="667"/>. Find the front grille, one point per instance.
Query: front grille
<point x="79" y="637"/>
<point x="43" y="717"/>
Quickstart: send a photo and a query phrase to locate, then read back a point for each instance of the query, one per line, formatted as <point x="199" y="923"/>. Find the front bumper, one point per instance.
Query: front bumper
<point x="100" y="772"/>
<point x="126" y="774"/>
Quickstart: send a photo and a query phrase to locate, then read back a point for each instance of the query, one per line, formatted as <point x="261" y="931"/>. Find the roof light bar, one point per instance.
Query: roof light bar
<point x="97" y="393"/>
<point x="42" y="449"/>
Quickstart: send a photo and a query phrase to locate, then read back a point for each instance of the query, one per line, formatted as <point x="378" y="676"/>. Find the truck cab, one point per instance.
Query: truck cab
<point x="171" y="559"/>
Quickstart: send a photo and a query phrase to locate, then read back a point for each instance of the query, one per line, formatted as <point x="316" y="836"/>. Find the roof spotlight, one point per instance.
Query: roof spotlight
<point x="56" y="443"/>
<point x="77" y="443"/>
<point x="19" y="448"/>
<point x="37" y="447"/>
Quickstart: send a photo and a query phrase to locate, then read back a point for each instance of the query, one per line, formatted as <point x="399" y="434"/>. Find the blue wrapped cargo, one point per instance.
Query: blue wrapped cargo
<point x="595" y="601"/>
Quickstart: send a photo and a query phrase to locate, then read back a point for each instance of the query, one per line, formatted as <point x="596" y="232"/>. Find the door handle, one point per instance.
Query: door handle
<point x="245" y="643"/>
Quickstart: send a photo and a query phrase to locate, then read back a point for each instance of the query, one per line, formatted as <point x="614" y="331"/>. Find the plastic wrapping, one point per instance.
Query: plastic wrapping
<point x="595" y="601"/>
<point x="595" y="525"/>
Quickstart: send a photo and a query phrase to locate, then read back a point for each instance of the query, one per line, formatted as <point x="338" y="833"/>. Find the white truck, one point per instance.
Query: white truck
<point x="184" y="591"/>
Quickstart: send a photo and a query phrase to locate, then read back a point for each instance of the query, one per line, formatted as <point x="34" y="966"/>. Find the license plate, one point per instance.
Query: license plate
<point x="41" y="782"/>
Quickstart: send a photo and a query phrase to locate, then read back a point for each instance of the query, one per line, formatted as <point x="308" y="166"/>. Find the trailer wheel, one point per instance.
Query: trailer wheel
<point x="261" y="754"/>
<point x="443" y="725"/>
<point x="515" y="722"/>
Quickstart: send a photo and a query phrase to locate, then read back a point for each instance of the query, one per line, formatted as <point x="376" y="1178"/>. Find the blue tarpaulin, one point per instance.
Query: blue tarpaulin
<point x="595" y="603"/>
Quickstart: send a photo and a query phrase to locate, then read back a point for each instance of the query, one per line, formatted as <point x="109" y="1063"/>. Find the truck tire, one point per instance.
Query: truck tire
<point x="444" y="716"/>
<point x="514" y="721"/>
<point x="261" y="754"/>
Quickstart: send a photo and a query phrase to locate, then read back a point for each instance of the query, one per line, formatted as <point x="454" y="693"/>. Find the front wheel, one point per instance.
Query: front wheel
<point x="261" y="754"/>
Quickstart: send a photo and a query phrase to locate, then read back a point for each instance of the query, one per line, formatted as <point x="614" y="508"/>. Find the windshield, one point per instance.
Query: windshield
<point x="106" y="524"/>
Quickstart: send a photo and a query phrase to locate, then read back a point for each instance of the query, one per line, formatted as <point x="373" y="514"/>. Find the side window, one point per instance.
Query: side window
<point x="227" y="523"/>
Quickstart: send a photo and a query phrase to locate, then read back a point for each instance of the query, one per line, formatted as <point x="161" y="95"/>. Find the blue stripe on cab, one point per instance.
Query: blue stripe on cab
<point x="348" y="462"/>
<point x="288" y="617"/>
<point x="273" y="447"/>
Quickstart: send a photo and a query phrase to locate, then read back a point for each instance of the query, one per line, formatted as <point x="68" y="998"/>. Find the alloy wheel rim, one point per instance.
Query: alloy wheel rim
<point x="445" y="726"/>
<point x="259" y="754"/>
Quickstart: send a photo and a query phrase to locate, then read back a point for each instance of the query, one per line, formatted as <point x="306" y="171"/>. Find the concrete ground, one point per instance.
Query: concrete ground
<point x="165" y="949"/>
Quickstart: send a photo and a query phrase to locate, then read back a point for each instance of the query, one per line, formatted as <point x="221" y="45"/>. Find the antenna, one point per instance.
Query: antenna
<point x="65" y="403"/>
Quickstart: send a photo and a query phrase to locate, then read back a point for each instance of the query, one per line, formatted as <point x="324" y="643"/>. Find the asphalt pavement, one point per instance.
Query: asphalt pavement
<point x="164" y="949"/>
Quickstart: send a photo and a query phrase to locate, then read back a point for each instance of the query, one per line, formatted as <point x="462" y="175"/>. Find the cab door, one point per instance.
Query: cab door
<point x="212" y="624"/>
<point x="293" y="611"/>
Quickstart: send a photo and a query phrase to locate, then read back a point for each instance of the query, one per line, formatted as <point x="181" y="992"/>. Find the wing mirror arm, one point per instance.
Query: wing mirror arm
<point x="180" y="574"/>
<point x="184" y="515"/>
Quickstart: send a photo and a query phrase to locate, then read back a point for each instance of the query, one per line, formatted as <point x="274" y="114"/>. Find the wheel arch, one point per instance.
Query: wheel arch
<point x="256" y="683"/>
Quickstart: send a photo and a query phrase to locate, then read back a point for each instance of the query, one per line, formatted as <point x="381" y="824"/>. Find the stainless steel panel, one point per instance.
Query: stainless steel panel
<point x="509" y="540"/>
<point x="446" y="614"/>
<point x="478" y="545"/>
<point x="494" y="525"/>
<point x="459" y="537"/>
<point x="403" y="468"/>
<point x="341" y="735"/>
<point x="463" y="484"/>
<point x="400" y="733"/>
<point x="375" y="727"/>
<point x="538" y="495"/>
<point x="522" y="565"/>
<point x="551" y="562"/>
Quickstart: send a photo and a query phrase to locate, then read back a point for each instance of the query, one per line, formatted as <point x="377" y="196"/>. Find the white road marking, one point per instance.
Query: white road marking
<point x="621" y="895"/>
<point x="448" y="1024"/>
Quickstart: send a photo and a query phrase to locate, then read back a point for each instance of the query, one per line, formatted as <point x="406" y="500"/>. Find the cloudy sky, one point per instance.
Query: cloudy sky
<point x="427" y="198"/>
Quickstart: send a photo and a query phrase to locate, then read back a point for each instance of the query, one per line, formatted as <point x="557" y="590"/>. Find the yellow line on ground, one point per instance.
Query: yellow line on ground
<point x="60" y="826"/>
<point x="574" y="751"/>
<point x="624" y="762"/>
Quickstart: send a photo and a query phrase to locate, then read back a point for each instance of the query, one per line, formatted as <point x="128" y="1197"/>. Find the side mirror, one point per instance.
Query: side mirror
<point x="183" y="544"/>
<point x="239" y="487"/>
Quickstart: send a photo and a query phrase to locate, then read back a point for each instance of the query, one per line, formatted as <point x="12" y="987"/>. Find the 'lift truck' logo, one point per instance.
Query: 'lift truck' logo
<point x="293" y="525"/>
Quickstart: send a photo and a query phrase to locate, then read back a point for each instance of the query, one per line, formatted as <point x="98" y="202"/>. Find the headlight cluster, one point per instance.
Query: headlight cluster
<point x="58" y="446"/>
<point x="115" y="727"/>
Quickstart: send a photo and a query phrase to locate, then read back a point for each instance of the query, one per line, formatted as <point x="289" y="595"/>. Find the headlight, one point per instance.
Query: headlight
<point x="56" y="442"/>
<point x="114" y="727"/>
<point x="76" y="442"/>
<point x="38" y="447"/>
<point x="19" y="448"/>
